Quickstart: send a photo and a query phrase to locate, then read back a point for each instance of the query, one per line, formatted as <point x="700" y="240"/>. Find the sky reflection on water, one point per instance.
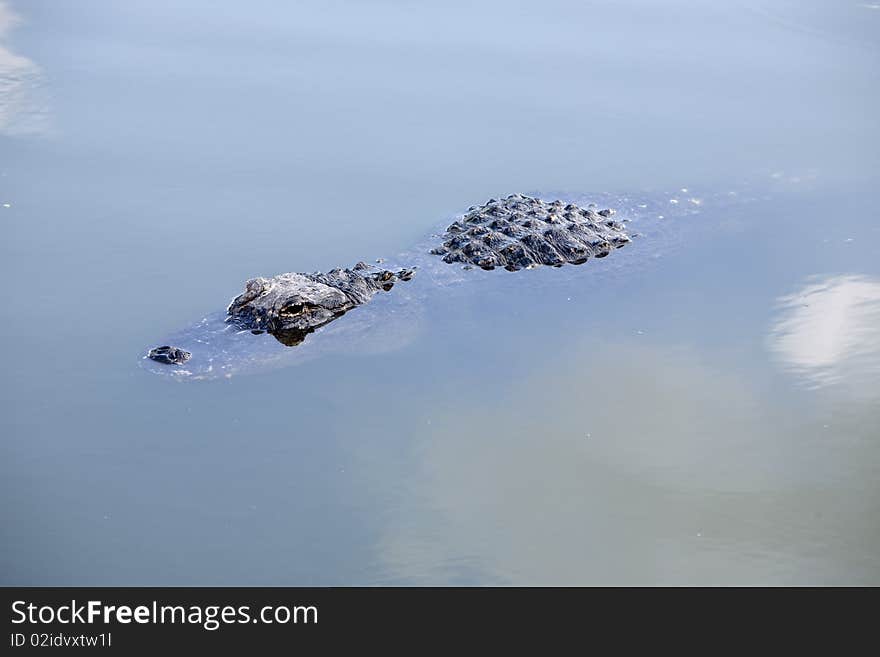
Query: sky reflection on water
<point x="828" y="333"/>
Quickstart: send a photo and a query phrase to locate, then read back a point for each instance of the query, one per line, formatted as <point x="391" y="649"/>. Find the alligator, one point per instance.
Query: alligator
<point x="271" y="322"/>
<point x="517" y="232"/>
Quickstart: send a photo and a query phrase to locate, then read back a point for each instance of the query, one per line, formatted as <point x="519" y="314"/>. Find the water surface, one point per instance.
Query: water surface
<point x="700" y="407"/>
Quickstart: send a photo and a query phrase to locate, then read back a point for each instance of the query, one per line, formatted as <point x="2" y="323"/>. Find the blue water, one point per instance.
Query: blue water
<point x="700" y="407"/>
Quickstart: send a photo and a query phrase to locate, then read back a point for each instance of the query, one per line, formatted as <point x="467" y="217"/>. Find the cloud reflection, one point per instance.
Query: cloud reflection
<point x="828" y="333"/>
<point x="23" y="108"/>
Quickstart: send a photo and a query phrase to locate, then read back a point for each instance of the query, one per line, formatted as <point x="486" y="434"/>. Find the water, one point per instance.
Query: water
<point x="700" y="407"/>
